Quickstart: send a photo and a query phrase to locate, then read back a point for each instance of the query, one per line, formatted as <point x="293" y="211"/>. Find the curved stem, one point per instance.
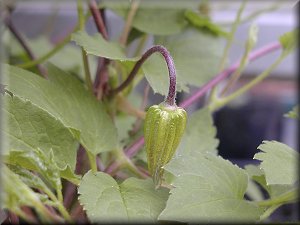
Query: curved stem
<point x="134" y="148"/>
<point x="170" y="99"/>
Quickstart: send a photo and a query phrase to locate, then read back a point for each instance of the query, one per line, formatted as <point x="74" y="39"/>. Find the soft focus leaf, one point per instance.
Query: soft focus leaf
<point x="133" y="200"/>
<point x="65" y="98"/>
<point x="279" y="163"/>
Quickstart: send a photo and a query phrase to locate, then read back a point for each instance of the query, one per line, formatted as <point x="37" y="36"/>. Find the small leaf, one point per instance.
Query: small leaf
<point x="204" y="22"/>
<point x="29" y="127"/>
<point x="196" y="56"/>
<point x="288" y="40"/>
<point x="133" y="200"/>
<point x="279" y="162"/>
<point x="294" y="113"/>
<point x="97" y="45"/>
<point x="208" y="189"/>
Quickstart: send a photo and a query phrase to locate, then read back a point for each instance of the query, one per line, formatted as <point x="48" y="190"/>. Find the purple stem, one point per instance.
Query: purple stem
<point x="135" y="147"/>
<point x="170" y="99"/>
<point x="221" y="76"/>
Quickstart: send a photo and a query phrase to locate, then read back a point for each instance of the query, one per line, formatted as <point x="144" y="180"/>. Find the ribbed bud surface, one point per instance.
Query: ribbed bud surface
<point x="163" y="129"/>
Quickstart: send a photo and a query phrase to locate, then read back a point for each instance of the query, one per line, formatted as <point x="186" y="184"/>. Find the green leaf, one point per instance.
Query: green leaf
<point x="133" y="200"/>
<point x="200" y="134"/>
<point x="97" y="45"/>
<point x="294" y="113"/>
<point x="288" y="40"/>
<point x="152" y="17"/>
<point x="196" y="56"/>
<point x="65" y="98"/>
<point x="279" y="162"/>
<point x="204" y="22"/>
<point x="208" y="189"/>
<point x="29" y="127"/>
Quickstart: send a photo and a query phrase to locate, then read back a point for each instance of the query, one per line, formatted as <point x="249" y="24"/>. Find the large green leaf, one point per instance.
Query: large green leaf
<point x="97" y="45"/>
<point x="66" y="99"/>
<point x="153" y="17"/>
<point x="208" y="189"/>
<point x="28" y="127"/>
<point x="200" y="134"/>
<point x="196" y="56"/>
<point x="279" y="163"/>
<point x="133" y="200"/>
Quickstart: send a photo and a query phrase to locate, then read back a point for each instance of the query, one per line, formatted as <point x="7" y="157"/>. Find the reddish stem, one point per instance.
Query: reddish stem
<point x="98" y="19"/>
<point x="170" y="99"/>
<point x="221" y="76"/>
<point x="24" y="45"/>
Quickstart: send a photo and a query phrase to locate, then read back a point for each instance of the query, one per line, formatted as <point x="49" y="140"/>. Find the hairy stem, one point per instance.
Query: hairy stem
<point x="135" y="147"/>
<point x="170" y="99"/>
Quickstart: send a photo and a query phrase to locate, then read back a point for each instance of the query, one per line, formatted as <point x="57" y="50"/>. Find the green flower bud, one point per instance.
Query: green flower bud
<point x="163" y="129"/>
